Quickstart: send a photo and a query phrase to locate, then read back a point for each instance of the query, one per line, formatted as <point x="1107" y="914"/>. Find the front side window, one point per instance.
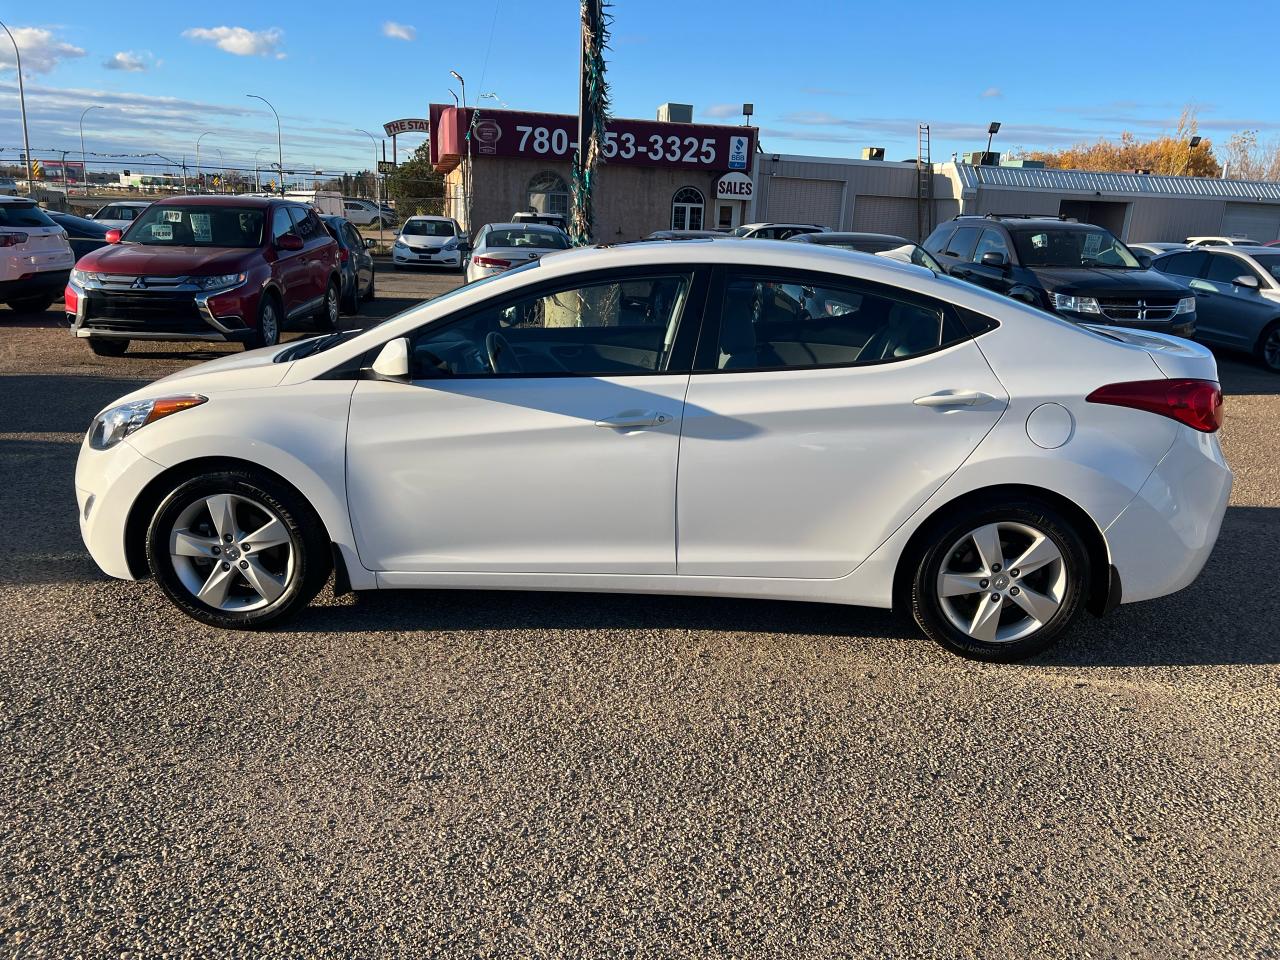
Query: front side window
<point x="182" y="225"/>
<point x="686" y="209"/>
<point x="281" y="224"/>
<point x="1183" y="264"/>
<point x="1072" y="248"/>
<point x="768" y="324"/>
<point x="602" y="329"/>
<point x="961" y="242"/>
<point x="992" y="241"/>
<point x="1224" y="268"/>
<point x="937" y="241"/>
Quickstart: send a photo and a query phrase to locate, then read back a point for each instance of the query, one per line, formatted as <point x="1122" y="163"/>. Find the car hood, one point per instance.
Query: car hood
<point x="1103" y="282"/>
<point x="135" y="259"/>
<point x="250" y="370"/>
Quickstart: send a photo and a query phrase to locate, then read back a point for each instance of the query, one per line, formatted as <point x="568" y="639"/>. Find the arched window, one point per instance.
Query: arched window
<point x="686" y="209"/>
<point x="548" y="193"/>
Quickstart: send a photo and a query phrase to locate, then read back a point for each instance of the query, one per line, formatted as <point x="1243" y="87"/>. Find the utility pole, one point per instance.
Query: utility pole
<point x="22" y="102"/>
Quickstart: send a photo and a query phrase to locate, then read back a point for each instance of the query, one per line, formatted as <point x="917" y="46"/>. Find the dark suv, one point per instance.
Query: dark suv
<point x="207" y="268"/>
<point x="1076" y="270"/>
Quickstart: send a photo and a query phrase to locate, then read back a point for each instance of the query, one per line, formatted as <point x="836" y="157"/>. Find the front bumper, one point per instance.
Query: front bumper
<point x="108" y="483"/>
<point x="1162" y="539"/>
<point x="218" y="317"/>
<point x="1182" y="325"/>
<point x="405" y="257"/>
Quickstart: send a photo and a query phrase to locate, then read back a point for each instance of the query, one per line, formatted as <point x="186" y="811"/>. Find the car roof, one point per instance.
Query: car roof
<point x="7" y="199"/>
<point x="429" y="216"/>
<point x="228" y="200"/>
<point x="548" y="228"/>
<point x="836" y="237"/>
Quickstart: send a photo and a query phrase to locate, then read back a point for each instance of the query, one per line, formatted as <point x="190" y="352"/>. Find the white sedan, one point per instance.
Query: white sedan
<point x="848" y="429"/>
<point x="426" y="241"/>
<point x="501" y="246"/>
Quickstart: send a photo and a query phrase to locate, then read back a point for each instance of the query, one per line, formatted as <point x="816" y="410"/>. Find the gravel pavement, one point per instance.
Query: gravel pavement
<point x="468" y="774"/>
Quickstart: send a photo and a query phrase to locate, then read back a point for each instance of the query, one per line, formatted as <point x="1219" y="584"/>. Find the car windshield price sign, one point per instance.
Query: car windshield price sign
<point x="553" y="136"/>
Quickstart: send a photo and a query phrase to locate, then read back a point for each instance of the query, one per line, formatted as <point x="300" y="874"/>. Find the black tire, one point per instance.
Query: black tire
<point x="370" y="293"/>
<point x="927" y="606"/>
<point x="1268" y="348"/>
<point x="108" y="348"/>
<point x="326" y="317"/>
<point x="270" y="319"/>
<point x="31" y="304"/>
<point x="308" y="542"/>
<point x="351" y="300"/>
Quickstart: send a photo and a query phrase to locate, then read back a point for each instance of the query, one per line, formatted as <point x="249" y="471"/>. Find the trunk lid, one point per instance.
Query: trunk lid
<point x="1175" y="357"/>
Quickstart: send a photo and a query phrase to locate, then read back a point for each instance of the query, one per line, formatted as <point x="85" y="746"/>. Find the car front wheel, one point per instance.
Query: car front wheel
<point x="268" y="332"/>
<point x="1001" y="582"/>
<point x="1269" y="347"/>
<point x="237" y="550"/>
<point x="330" y="308"/>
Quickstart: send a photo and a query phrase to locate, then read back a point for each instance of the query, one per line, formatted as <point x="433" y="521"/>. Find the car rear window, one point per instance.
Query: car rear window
<point x="547" y="239"/>
<point x="23" y="214"/>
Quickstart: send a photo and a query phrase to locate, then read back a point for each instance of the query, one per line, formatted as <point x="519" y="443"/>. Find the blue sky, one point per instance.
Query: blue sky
<point x="826" y="78"/>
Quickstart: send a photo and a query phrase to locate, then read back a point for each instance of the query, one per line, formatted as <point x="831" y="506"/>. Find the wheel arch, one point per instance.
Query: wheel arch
<point x="148" y="501"/>
<point x="1103" y="582"/>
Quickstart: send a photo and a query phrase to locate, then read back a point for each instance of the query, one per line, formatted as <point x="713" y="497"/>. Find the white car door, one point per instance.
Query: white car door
<point x="826" y="411"/>
<point x="539" y="433"/>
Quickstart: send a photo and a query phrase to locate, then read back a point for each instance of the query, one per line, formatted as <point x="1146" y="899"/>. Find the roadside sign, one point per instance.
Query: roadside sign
<point x="386" y="166"/>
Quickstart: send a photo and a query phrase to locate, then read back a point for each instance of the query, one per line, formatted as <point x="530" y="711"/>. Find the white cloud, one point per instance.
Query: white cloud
<point x="399" y="31"/>
<point x="241" y="41"/>
<point x="129" y="61"/>
<point x="720" y="111"/>
<point x="992" y="92"/>
<point x="41" y="51"/>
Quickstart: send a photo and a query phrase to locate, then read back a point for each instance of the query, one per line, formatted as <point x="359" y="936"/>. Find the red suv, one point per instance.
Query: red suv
<point x="207" y="268"/>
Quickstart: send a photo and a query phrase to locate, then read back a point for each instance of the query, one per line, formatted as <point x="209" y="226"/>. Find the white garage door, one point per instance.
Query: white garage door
<point x="896" y="215"/>
<point x="792" y="200"/>
<point x="1256" y="221"/>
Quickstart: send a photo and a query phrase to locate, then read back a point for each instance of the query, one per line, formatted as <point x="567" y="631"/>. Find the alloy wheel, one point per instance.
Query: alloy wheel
<point x="331" y="306"/>
<point x="1271" y="349"/>
<point x="269" y="327"/>
<point x="232" y="553"/>
<point x="1002" y="582"/>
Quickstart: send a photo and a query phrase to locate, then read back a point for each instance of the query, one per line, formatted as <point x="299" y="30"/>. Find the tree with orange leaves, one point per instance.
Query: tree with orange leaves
<point x="1170" y="153"/>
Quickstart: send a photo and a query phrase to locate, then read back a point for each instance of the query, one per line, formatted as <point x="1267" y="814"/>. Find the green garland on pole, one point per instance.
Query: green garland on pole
<point x="595" y="109"/>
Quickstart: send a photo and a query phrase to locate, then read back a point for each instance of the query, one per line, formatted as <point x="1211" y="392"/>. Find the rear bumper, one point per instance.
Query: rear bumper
<point x="1162" y="539"/>
<point x="48" y="282"/>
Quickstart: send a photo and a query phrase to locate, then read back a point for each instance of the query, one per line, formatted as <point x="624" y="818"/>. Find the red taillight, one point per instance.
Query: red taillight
<point x="1197" y="403"/>
<point x="12" y="239"/>
<point x="490" y="262"/>
<point x="344" y="254"/>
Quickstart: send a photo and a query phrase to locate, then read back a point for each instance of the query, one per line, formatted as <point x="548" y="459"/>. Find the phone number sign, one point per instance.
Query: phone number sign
<point x="552" y="136"/>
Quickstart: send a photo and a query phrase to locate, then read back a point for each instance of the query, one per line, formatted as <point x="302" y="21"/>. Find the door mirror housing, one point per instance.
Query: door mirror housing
<point x="392" y="362"/>
<point x="1245" y="281"/>
<point x="1144" y="260"/>
<point x="114" y="235"/>
<point x="290" y="241"/>
<point x="464" y="246"/>
<point x="370" y="243"/>
<point x="994" y="258"/>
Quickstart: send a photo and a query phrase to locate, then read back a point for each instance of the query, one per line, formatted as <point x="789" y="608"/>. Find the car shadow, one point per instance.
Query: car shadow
<point x="1241" y="376"/>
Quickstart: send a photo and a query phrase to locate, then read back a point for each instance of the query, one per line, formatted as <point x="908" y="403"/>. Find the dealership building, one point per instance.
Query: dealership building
<point x="670" y="173"/>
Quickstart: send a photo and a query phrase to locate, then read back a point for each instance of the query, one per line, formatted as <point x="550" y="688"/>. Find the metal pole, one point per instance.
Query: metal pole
<point x="199" y="176"/>
<point x="279" y="138"/>
<point x="84" y="163"/>
<point x="22" y="102"/>
<point x="377" y="193"/>
<point x="65" y="189"/>
<point x="466" y="170"/>
<point x="222" y="168"/>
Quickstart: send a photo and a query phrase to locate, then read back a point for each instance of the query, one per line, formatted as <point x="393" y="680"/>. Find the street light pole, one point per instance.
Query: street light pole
<point x="22" y="102"/>
<point x="991" y="132"/>
<point x="279" y="138"/>
<point x="466" y="178"/>
<point x="1191" y="146"/>
<point x="199" y="178"/>
<point x="377" y="192"/>
<point x="84" y="163"/>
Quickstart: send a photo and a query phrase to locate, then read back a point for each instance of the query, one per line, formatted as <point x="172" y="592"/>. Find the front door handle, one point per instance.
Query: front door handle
<point x="635" y="421"/>
<point x="954" y="398"/>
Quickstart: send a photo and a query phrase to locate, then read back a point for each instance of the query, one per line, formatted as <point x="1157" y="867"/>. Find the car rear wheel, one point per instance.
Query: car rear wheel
<point x="268" y="332"/>
<point x="1269" y="347"/>
<point x="1001" y="582"/>
<point x="351" y="301"/>
<point x="330" y="308"/>
<point x="369" y="293"/>
<point x="31" y="304"/>
<point x="108" y="348"/>
<point x="238" y="550"/>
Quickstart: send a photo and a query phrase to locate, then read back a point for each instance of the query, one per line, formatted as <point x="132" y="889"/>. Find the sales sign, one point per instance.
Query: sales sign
<point x="734" y="186"/>
<point x="554" y="136"/>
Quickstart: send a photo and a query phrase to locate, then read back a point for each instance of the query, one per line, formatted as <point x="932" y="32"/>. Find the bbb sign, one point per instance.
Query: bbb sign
<point x="738" y="147"/>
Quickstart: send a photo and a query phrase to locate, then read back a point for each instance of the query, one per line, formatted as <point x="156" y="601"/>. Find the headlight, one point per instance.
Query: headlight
<point x="400" y="245"/>
<point x="1075" y="304"/>
<point x="220" y="281"/>
<point x="451" y="244"/>
<point x="112" y="426"/>
<point x="81" y="277"/>
<point x="1186" y="305"/>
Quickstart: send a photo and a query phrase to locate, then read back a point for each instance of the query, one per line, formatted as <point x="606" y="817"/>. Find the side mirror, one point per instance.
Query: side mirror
<point x="1144" y="260"/>
<point x="114" y="235"/>
<point x="994" y="258"/>
<point x="370" y="243"/>
<point x="393" y="361"/>
<point x="464" y="246"/>
<point x="1246" y="281"/>
<point x="290" y="241"/>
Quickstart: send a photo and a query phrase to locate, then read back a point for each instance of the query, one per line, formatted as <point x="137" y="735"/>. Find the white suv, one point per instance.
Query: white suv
<point x="365" y="212"/>
<point x="35" y="257"/>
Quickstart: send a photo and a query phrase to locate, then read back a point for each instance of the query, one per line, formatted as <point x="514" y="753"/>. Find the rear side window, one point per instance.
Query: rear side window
<point x="354" y="240"/>
<point x="769" y="324"/>
<point x="23" y="215"/>
<point x="961" y="242"/>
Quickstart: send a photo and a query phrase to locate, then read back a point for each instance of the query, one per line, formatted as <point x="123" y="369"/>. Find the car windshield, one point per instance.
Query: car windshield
<point x="1269" y="262"/>
<point x="23" y="214"/>
<point x="428" y="228"/>
<point x="182" y="225"/>
<point x="1072" y="247"/>
<point x="517" y="237"/>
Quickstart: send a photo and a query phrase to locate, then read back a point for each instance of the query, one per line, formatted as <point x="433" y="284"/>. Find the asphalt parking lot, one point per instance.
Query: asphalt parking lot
<point x="477" y="774"/>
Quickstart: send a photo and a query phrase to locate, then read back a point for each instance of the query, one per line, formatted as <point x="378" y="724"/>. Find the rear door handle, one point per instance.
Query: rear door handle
<point x="635" y="421"/>
<point x="954" y="398"/>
